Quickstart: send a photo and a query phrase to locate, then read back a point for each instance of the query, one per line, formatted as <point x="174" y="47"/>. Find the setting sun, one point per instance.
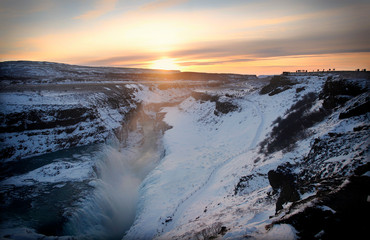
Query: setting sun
<point x="165" y="64"/>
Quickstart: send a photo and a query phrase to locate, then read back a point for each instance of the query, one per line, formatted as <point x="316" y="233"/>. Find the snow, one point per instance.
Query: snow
<point x="279" y="232"/>
<point x="320" y="234"/>
<point x="13" y="102"/>
<point x="110" y="117"/>
<point x="326" y="208"/>
<point x="307" y="195"/>
<point x="57" y="172"/>
<point x="154" y="95"/>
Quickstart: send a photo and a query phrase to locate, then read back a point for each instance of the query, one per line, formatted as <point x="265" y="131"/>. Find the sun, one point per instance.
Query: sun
<point x="165" y="64"/>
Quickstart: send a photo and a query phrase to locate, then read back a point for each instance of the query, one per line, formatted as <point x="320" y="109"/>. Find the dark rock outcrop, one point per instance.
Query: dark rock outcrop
<point x="284" y="180"/>
<point x="356" y="110"/>
<point x="277" y="85"/>
<point x="337" y="215"/>
<point x="222" y="107"/>
<point x="336" y="92"/>
<point x="44" y="119"/>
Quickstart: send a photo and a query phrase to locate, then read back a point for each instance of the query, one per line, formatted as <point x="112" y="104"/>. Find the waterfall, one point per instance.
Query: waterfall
<point x="109" y="211"/>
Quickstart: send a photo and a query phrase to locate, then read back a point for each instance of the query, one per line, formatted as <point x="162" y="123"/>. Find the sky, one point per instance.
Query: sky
<point x="233" y="36"/>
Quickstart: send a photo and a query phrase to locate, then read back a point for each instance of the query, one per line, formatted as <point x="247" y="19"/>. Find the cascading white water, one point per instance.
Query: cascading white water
<point x="110" y="210"/>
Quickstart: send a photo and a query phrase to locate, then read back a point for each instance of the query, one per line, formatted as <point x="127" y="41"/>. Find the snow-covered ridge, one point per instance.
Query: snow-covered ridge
<point x="57" y="71"/>
<point x="30" y="72"/>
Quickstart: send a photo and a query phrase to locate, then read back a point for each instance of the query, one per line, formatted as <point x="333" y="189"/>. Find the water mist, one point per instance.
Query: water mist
<point x="110" y="210"/>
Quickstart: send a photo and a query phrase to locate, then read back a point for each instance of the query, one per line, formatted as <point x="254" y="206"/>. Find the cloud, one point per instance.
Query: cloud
<point x="246" y="50"/>
<point x="185" y="58"/>
<point x="13" y="10"/>
<point x="21" y="7"/>
<point x="304" y="44"/>
<point x="221" y="61"/>
<point x="120" y="60"/>
<point x="102" y="7"/>
<point x="161" y="4"/>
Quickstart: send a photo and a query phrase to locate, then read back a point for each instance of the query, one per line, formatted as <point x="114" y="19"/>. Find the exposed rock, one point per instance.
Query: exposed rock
<point x="336" y="92"/>
<point x="284" y="180"/>
<point x="337" y="215"/>
<point x="300" y="89"/>
<point x="277" y="85"/>
<point x="242" y="184"/>
<point x="356" y="109"/>
<point x="44" y="119"/>
<point x="204" y="97"/>
<point x="222" y="107"/>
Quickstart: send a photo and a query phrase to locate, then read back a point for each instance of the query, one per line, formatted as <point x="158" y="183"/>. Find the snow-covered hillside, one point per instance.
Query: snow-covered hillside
<point x="213" y="181"/>
<point x="207" y="159"/>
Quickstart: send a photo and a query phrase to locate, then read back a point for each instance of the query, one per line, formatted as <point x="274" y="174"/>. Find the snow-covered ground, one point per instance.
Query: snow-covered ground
<point x="189" y="164"/>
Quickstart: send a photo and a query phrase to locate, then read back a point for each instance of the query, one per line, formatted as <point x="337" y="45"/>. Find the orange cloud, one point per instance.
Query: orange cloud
<point x="276" y="65"/>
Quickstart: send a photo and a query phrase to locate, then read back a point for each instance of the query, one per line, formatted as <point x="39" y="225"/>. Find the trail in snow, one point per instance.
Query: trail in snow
<point x="182" y="205"/>
<point x="259" y="129"/>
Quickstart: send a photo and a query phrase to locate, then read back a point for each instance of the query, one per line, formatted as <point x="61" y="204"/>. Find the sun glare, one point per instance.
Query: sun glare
<point x="165" y="64"/>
